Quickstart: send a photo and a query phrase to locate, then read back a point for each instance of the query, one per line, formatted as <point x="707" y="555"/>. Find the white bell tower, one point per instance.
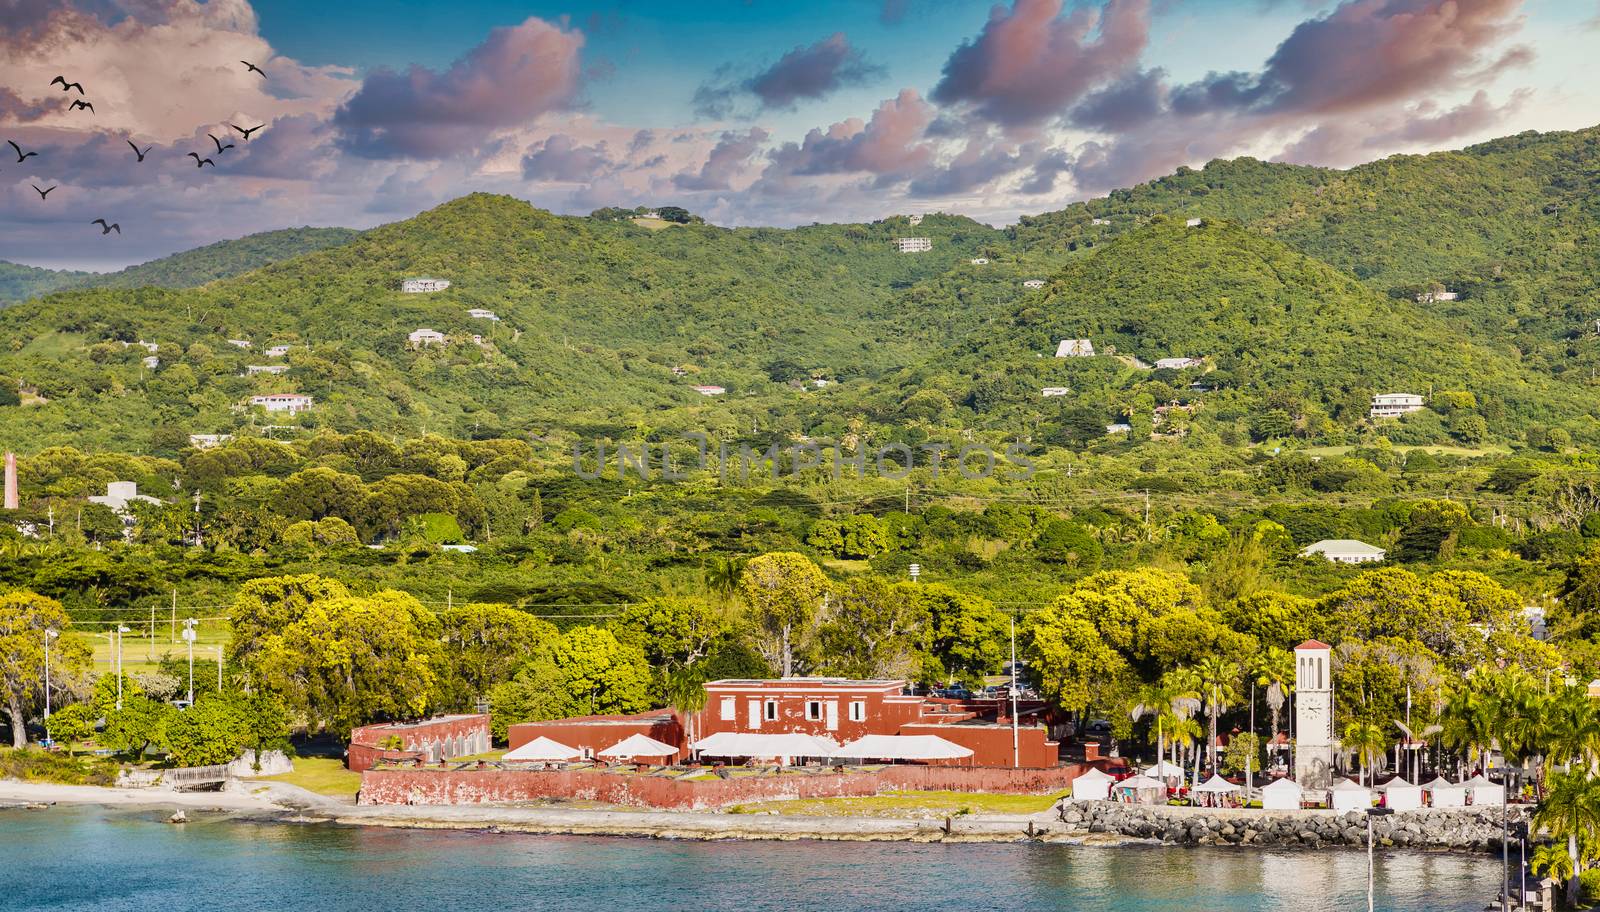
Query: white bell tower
<point x="1313" y="715"/>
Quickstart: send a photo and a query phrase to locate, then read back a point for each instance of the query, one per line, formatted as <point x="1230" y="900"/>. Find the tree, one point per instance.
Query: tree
<point x="73" y="724"/>
<point x="265" y="607"/>
<point x="783" y="591"/>
<point x="1066" y="543"/>
<point x="140" y="724"/>
<point x="1571" y="811"/>
<point x="1432" y="530"/>
<point x="585" y="672"/>
<point x="673" y="633"/>
<point x="873" y="630"/>
<point x="1273" y="670"/>
<point x="1219" y="687"/>
<point x="214" y="730"/>
<point x="967" y="636"/>
<point x="24" y="619"/>
<point x="483" y="646"/>
<point x="1368" y="741"/>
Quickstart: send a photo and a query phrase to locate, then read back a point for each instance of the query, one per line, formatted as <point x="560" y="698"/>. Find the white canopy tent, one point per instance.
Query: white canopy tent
<point x="1093" y="785"/>
<point x="639" y="746"/>
<point x="542" y="748"/>
<point x="1282" y="795"/>
<point x="902" y="747"/>
<point x="1215" y="792"/>
<point x="1347" y="795"/>
<point x="1141" y="790"/>
<point x="1400" y="795"/>
<point x="1484" y="792"/>
<point x="1171" y="772"/>
<point x="1442" y="793"/>
<point x="752" y="744"/>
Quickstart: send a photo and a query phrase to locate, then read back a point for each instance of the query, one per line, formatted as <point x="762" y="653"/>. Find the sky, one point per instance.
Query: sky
<point x="748" y="112"/>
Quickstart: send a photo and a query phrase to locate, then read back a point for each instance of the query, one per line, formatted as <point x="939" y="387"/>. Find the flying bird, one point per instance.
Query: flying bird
<point x="67" y="86"/>
<point x="20" y="157"/>
<point x="247" y="130"/>
<point x="252" y="68"/>
<point x="220" y="146"/>
<point x="107" y="229"/>
<point x="43" y="193"/>
<point x="138" y="153"/>
<point x="201" y="162"/>
<point x="80" y="103"/>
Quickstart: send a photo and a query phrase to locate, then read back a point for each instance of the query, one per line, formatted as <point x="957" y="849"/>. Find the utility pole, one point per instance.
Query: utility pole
<point x="1015" y="752"/>
<point x="189" y="636"/>
<point x="174" y="614"/>
<point x="219" y="668"/>
<point x="150" y="645"/>
<point x="49" y="635"/>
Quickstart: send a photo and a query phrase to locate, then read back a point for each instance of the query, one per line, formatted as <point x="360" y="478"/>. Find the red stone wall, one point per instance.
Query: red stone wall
<point x="991" y="744"/>
<point x="444" y="737"/>
<point x="490" y="786"/>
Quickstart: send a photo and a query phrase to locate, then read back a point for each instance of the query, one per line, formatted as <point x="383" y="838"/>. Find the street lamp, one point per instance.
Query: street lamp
<point x="1371" y="813"/>
<point x="120" y="631"/>
<point x="916" y="571"/>
<point x="188" y="637"/>
<point x="49" y="634"/>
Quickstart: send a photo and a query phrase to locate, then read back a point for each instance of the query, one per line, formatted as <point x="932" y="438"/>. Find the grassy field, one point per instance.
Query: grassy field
<point x="654" y="224"/>
<point x="323" y="775"/>
<point x="141" y="653"/>
<point x="909" y="804"/>
<point x="1436" y="450"/>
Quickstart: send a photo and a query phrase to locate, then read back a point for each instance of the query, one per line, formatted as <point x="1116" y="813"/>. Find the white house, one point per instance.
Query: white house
<point x="1393" y="405"/>
<point x="913" y="245"/>
<point x="1429" y="297"/>
<point x="251" y="370"/>
<point x="1194" y="223"/>
<point x="1344" y="551"/>
<point x="119" y="494"/>
<point x="1538" y="627"/>
<point x="980" y="261"/>
<point x="423" y="285"/>
<point x="277" y="351"/>
<point x="207" y="441"/>
<point x="707" y="390"/>
<point x="915" y="220"/>
<point x="150" y="347"/>
<point x="1100" y="221"/>
<point x="1119" y="428"/>
<point x="478" y="313"/>
<point x="420" y="338"/>
<point x="1033" y="283"/>
<point x="239" y="343"/>
<point x="151" y="362"/>
<point x="1282" y="795"/>
<point x="293" y="403"/>
<point x="1051" y="392"/>
<point x="1177" y="363"/>
<point x="1075" y="348"/>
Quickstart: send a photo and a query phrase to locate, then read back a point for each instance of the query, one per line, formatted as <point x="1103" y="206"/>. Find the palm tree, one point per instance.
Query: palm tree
<point x="1274" y="670"/>
<point x="685" y="692"/>
<point x="1516" y="709"/>
<point x="1570" y="735"/>
<point x="1571" y="810"/>
<point x="1368" y="741"/>
<point x="1417" y="736"/>
<point x="1219" y="680"/>
<point x="1466" y="722"/>
<point x="1172" y="700"/>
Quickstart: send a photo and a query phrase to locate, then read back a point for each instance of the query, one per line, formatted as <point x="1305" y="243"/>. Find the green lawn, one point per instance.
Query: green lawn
<point x="910" y="804"/>
<point x="141" y="653"/>
<point x="1436" y="450"/>
<point x="323" y="775"/>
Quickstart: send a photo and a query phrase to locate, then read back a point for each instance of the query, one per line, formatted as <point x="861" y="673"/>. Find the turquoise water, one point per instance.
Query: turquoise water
<point x="109" y="861"/>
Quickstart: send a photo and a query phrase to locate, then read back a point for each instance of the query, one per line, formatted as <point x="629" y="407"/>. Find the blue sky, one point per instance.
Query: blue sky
<point x="746" y="111"/>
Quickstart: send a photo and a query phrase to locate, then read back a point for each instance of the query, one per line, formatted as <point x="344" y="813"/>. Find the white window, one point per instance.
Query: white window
<point x="833" y="715"/>
<point x="772" y="710"/>
<point x="858" y="711"/>
<point x="755" y="714"/>
<point x="813" y="710"/>
<point x="729" y="709"/>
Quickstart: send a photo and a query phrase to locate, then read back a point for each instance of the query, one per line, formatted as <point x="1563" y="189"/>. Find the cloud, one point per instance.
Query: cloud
<point x="1050" y="164"/>
<point x="806" y="73"/>
<point x="889" y="145"/>
<point x="727" y="160"/>
<point x="1137" y="98"/>
<point x="1029" y="64"/>
<point x="1423" y="124"/>
<point x="560" y="158"/>
<point x="515" y="75"/>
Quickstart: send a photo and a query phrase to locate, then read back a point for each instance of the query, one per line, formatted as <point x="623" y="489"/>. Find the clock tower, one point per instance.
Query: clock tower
<point x="1313" y="715"/>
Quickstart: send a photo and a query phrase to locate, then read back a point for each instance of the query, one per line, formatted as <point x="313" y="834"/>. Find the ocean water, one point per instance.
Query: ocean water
<point x="110" y="861"/>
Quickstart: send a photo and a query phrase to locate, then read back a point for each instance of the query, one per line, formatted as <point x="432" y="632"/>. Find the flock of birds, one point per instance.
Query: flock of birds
<point x="81" y="103"/>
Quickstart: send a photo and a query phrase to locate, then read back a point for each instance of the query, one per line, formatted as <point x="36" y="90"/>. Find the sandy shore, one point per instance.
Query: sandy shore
<point x="286" y="802"/>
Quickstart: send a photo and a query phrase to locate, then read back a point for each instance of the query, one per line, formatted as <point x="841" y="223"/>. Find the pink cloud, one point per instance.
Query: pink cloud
<point x="729" y="158"/>
<point x="888" y="145"/>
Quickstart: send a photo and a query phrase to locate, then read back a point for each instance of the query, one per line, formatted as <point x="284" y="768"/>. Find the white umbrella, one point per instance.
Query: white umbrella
<point x="639" y="746"/>
<point x="542" y="748"/>
<point x="902" y="747"/>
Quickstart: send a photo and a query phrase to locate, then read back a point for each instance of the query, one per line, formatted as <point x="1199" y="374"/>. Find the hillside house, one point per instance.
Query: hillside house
<point x="207" y="441"/>
<point x="1033" y="283"/>
<point x="1344" y="551"/>
<point x="252" y="370"/>
<point x="423" y="285"/>
<point x="151" y="362"/>
<point x="1430" y="297"/>
<point x="150" y="347"/>
<point x="979" y="261"/>
<point x="422" y="338"/>
<point x="1120" y="427"/>
<point x="1075" y="348"/>
<point x="913" y="245"/>
<point x="1393" y="405"/>
<point x="478" y="313"/>
<point x="1052" y="392"/>
<point x="277" y="351"/>
<point x="680" y="371"/>
<point x="1100" y="222"/>
<point x="709" y="390"/>
<point x="239" y="343"/>
<point x="1194" y="223"/>
<point x="292" y="403"/>
<point x="915" y="220"/>
<point x="1177" y="363"/>
<point x="120" y="495"/>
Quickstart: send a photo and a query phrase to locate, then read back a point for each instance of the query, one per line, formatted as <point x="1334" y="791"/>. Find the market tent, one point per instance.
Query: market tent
<point x="542" y="748"/>
<point x="902" y="747"/>
<point x="1484" y="792"/>
<point x="1093" y="785"/>
<point x="1141" y="790"/>
<point x="1443" y="793"/>
<point x="1346" y="795"/>
<point x="1400" y="795"/>
<point x="752" y="744"/>
<point x="1282" y="795"/>
<point x="1165" y="770"/>
<point x="1215" y="792"/>
<point x="639" y="746"/>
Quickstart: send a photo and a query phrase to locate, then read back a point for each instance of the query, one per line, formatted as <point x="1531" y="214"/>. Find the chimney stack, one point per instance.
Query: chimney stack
<point x="11" y="481"/>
